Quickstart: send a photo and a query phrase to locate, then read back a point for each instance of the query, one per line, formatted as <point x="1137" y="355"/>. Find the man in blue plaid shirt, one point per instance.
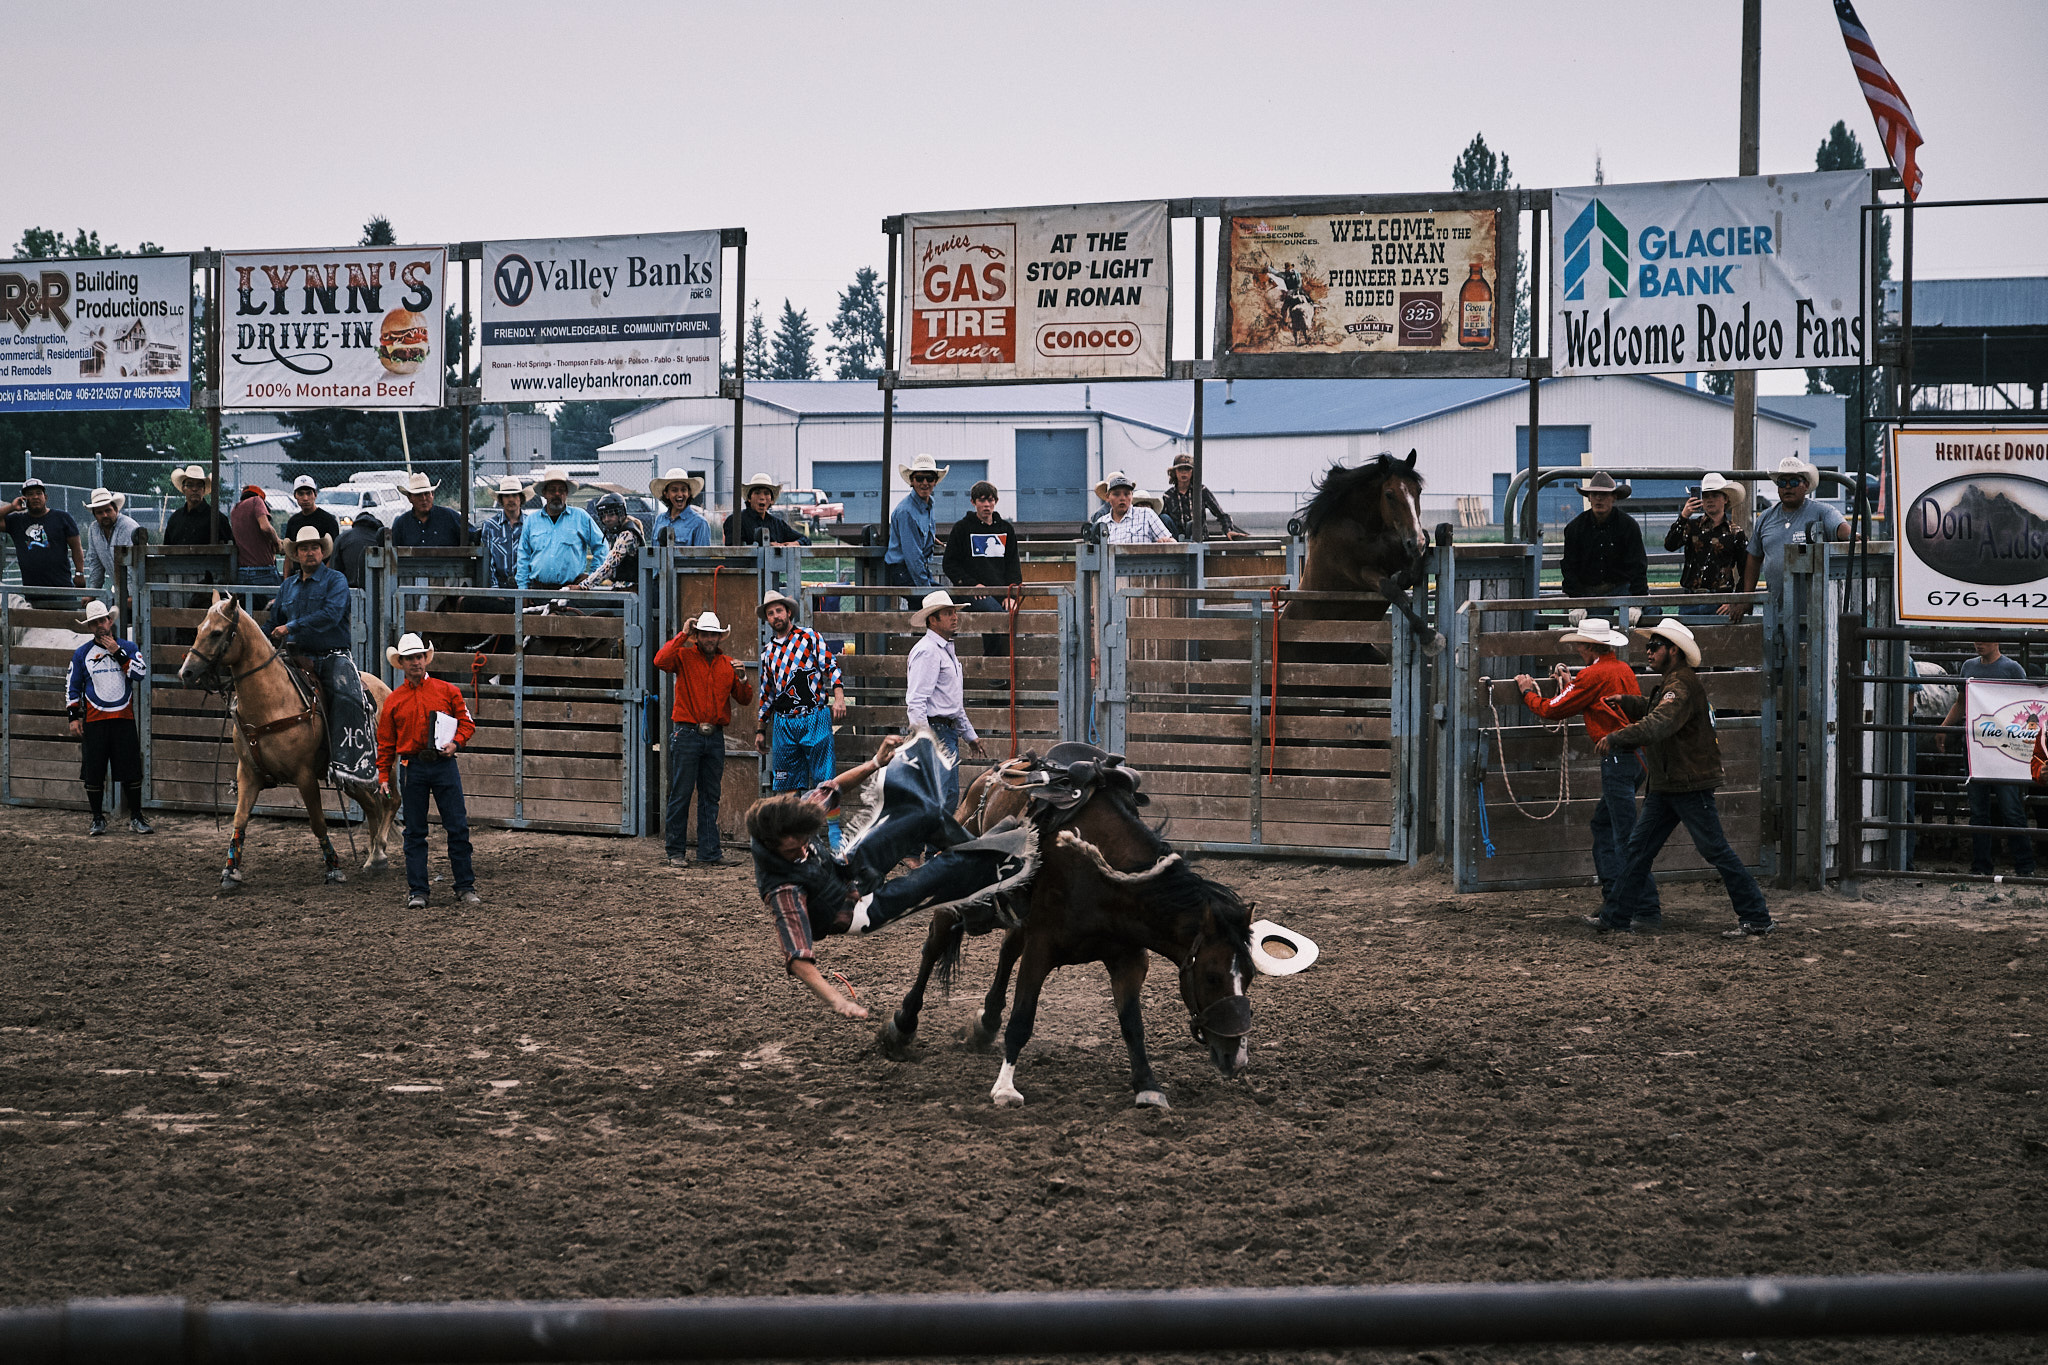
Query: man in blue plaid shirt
<point x="501" y="535"/>
<point x="798" y="674"/>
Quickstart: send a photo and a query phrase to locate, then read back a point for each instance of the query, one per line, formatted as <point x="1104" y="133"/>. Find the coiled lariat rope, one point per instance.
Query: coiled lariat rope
<point x="1564" y="762"/>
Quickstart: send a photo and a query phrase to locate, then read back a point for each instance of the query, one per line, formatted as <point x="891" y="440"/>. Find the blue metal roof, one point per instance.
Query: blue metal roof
<point x="1300" y="407"/>
<point x="1825" y="413"/>
<point x="2008" y="301"/>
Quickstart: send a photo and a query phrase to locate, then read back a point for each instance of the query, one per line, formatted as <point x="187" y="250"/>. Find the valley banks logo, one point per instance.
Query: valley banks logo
<point x="1578" y="252"/>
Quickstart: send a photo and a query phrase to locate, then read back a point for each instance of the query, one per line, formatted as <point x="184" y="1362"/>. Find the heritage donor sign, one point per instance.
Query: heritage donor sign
<point x="93" y="334"/>
<point x="1752" y="273"/>
<point x="359" y="327"/>
<point x="1071" y="291"/>
<point x="1972" y="511"/>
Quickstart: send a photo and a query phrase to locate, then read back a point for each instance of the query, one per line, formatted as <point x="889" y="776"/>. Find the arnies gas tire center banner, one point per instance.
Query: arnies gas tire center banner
<point x="1971" y="505"/>
<point x="1073" y="291"/>
<point x="359" y="327"/>
<point x="602" y="317"/>
<point x="102" y="333"/>
<point x="1752" y="273"/>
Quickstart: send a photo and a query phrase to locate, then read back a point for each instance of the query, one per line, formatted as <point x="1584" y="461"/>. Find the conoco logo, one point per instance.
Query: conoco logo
<point x="1093" y="339"/>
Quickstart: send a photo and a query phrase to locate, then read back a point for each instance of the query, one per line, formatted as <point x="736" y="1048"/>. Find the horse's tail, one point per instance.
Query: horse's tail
<point x="949" y="962"/>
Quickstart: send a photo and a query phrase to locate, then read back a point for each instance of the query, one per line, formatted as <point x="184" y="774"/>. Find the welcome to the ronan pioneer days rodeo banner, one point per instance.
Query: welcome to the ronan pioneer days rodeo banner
<point x="1752" y="273"/>
<point x="1072" y="291"/>
<point x="602" y="317"/>
<point x="1972" y="511"/>
<point x="113" y="333"/>
<point x="1397" y="284"/>
<point x="353" y="328"/>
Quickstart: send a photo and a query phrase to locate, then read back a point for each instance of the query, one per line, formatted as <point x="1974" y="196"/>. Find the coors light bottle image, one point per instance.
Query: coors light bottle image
<point x="1475" y="312"/>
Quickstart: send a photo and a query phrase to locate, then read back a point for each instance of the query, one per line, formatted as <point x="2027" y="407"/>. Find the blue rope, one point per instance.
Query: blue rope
<point x="1485" y="837"/>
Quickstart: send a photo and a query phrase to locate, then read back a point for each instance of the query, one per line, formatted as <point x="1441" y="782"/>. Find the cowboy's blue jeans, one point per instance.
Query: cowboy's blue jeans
<point x="1614" y="821"/>
<point x="1662" y="813"/>
<point x="696" y="763"/>
<point x="441" y="779"/>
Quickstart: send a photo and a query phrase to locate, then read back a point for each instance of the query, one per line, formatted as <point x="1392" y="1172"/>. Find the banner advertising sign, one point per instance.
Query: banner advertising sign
<point x="1395" y="284"/>
<point x="1071" y="291"/>
<point x="2000" y="722"/>
<point x="602" y="317"/>
<point x="1972" y="524"/>
<point x="358" y="327"/>
<point x="80" y="335"/>
<point x="1752" y="273"/>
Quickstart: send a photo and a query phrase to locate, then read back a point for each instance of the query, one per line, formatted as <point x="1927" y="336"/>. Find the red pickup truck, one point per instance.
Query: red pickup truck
<point x="808" y="504"/>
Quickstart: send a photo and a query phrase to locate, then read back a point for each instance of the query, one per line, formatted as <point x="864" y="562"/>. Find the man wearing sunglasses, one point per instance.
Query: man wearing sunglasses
<point x="1791" y="521"/>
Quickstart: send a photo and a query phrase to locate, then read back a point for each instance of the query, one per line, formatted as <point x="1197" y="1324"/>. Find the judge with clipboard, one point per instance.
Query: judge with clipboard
<point x="420" y="728"/>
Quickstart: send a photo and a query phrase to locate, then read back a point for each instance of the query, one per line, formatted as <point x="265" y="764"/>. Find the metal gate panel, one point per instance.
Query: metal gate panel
<point x="683" y="583"/>
<point x="38" y="634"/>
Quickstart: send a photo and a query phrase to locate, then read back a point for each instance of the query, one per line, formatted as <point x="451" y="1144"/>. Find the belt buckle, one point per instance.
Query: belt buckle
<point x="705" y="728"/>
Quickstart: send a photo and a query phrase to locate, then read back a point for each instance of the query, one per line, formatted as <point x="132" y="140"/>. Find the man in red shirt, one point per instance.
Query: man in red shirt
<point x="407" y="738"/>
<point x="707" y="684"/>
<point x="1604" y="675"/>
<point x="256" y="540"/>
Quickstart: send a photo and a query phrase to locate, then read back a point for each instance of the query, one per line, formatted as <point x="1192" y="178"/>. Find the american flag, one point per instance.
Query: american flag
<point x="1895" y="125"/>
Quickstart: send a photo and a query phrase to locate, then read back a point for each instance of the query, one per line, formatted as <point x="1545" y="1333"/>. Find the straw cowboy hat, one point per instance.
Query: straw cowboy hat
<point x="933" y="601"/>
<point x="1594" y="630"/>
<point x="1115" y="479"/>
<point x="1305" y="950"/>
<point x="1140" y="498"/>
<point x="1603" y="482"/>
<point x="1677" y="634"/>
<point x="759" y="480"/>
<point x="1185" y="460"/>
<point x="417" y="483"/>
<point x="511" y="486"/>
<point x="1736" y="493"/>
<point x="312" y="535"/>
<point x="554" y="473"/>
<point x="770" y="600"/>
<point x="191" y="473"/>
<point x="102" y="498"/>
<point x="95" y="612"/>
<point x="708" y="624"/>
<point x="658" y="486"/>
<point x="924" y="464"/>
<point x="1792" y="464"/>
<point x="410" y="646"/>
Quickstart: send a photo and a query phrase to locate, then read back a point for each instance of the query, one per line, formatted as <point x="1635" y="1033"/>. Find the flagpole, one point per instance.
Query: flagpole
<point x="1744" y="453"/>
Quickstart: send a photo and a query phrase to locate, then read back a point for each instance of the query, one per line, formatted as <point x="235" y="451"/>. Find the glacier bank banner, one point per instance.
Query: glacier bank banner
<point x="1750" y="273"/>
<point x="111" y="333"/>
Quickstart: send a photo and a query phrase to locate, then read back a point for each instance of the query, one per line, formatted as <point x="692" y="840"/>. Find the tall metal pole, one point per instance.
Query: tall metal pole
<point x="468" y="477"/>
<point x="1201" y="527"/>
<point x="894" y="227"/>
<point x="1752" y="52"/>
<point x="215" y="288"/>
<point x="1532" y="512"/>
<point x="739" y="376"/>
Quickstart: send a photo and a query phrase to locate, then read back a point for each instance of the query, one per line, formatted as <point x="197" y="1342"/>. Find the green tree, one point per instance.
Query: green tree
<point x="47" y="244"/>
<point x="1720" y="382"/>
<point x="857" y="331"/>
<point x="579" y="427"/>
<point x="1479" y="171"/>
<point x="791" y="356"/>
<point x="377" y="232"/>
<point x="1840" y="150"/>
<point x="758" y="360"/>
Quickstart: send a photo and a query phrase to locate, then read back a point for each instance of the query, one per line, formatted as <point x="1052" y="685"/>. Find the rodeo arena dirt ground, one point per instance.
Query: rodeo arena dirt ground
<point x="602" y="1083"/>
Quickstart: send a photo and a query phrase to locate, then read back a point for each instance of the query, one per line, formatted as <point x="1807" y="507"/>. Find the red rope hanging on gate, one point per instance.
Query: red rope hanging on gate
<point x="716" y="569"/>
<point x="1273" y="707"/>
<point x="1016" y="602"/>
<point x="477" y="663"/>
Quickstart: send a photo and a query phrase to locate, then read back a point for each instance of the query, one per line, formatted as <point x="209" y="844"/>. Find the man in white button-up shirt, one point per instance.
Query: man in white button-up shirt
<point x="1129" y="521"/>
<point x="936" y="693"/>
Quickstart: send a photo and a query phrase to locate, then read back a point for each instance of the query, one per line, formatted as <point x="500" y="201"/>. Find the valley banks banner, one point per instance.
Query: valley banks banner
<point x="602" y="317"/>
<point x="1752" y="273"/>
<point x="1972" y="506"/>
<point x="358" y="327"/>
<point x="82" y="335"/>
<point x="1074" y="291"/>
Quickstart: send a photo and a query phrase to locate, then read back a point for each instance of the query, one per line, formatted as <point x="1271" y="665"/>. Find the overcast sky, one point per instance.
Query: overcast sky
<point x="259" y="125"/>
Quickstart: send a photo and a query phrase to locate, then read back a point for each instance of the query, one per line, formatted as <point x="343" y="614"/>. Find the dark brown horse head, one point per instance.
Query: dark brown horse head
<point x="218" y="645"/>
<point x="1217" y="974"/>
<point x="1376" y="505"/>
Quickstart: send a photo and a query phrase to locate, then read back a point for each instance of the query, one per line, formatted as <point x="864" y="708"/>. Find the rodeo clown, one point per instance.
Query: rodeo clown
<point x="812" y="893"/>
<point x="99" y="697"/>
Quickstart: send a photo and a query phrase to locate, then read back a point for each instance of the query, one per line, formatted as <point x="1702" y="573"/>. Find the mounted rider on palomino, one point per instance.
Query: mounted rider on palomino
<point x="310" y="622"/>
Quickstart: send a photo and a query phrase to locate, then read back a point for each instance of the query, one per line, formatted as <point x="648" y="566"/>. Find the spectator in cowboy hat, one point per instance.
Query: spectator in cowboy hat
<point x="500" y="536"/>
<point x="677" y="491"/>
<point x="913" y="529"/>
<point x="429" y="524"/>
<point x="44" y="538"/>
<point x="99" y="700"/>
<point x="935" y="694"/>
<point x="1709" y="527"/>
<point x="1675" y="729"/>
<point x="707" y="684"/>
<point x="1795" y="517"/>
<point x="195" y="523"/>
<point x="111" y="529"/>
<point x="745" y="526"/>
<point x="1132" y="518"/>
<point x="1179" y="506"/>
<point x="420" y="764"/>
<point x="1604" y="675"/>
<point x="798" y="675"/>
<point x="306" y="493"/>
<point x="558" y="543"/>
<point x="1603" y="549"/>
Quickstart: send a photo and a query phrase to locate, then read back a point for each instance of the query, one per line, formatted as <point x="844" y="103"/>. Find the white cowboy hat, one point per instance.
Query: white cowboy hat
<point x="1305" y="950"/>
<point x="102" y="498"/>
<point x="305" y="481"/>
<point x="658" y="486"/>
<point x="1677" y="634"/>
<point x="1594" y="630"/>
<point x="770" y="600"/>
<point x="191" y="473"/>
<point x="312" y="535"/>
<point x="759" y="480"/>
<point x="933" y="601"/>
<point x="708" y="624"/>
<point x="96" y="611"/>
<point x="1140" y="498"/>
<point x="410" y="646"/>
<point x="554" y="473"/>
<point x="924" y="464"/>
<point x="511" y="486"/>
<point x="417" y="483"/>
<point x="1115" y="479"/>
<point x="1734" y="491"/>
<point x="1603" y="482"/>
<point x="1792" y="464"/>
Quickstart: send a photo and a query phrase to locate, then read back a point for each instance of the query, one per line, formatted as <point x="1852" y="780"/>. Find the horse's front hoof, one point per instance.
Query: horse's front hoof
<point x="1005" y="1094"/>
<point x="979" y="1037"/>
<point x="335" y="876"/>
<point x="230" y="881"/>
<point x="895" y="1044"/>
<point x="1152" y="1099"/>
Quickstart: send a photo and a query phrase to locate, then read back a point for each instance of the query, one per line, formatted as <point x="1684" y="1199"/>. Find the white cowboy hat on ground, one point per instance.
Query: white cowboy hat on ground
<point x="1116" y="479"/>
<point x="554" y="473"/>
<point x="417" y="483"/>
<point x="1603" y="482"/>
<point x="1677" y="634"/>
<point x="933" y="601"/>
<point x="191" y="473"/>
<point x="658" y="486"/>
<point x="770" y="600"/>
<point x="511" y="486"/>
<point x="102" y="498"/>
<point x="708" y="624"/>
<point x="96" y="611"/>
<point x="1594" y="630"/>
<point x="1733" y="490"/>
<point x="305" y="481"/>
<point x="924" y="464"/>
<point x="759" y="480"/>
<point x="410" y="646"/>
<point x="1792" y="464"/>
<point x="1304" y="955"/>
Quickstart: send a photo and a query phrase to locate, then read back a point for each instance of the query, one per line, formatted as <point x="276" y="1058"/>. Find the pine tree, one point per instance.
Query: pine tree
<point x="1720" y="382"/>
<point x="791" y="356"/>
<point x="1478" y="171"/>
<point x="857" y="332"/>
<point x="1840" y="150"/>
<point x="377" y="232"/>
<point x="757" y="345"/>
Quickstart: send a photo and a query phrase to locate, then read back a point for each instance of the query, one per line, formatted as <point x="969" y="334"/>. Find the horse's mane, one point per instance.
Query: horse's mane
<point x="1339" y="484"/>
<point x="1185" y="893"/>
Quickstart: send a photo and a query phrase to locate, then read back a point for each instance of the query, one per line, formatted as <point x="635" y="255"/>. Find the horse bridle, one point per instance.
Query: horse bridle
<point x="214" y="673"/>
<point x="1230" y="1017"/>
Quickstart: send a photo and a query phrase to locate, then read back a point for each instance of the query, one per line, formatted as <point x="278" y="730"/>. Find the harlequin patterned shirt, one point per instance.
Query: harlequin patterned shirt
<point x="797" y="674"/>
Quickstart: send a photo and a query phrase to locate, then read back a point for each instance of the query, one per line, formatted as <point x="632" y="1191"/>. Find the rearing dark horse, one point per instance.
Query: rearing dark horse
<point x="1364" y="529"/>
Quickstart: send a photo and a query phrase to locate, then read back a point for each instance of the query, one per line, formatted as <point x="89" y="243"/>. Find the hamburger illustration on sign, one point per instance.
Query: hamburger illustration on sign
<point x="964" y="305"/>
<point x="403" y="343"/>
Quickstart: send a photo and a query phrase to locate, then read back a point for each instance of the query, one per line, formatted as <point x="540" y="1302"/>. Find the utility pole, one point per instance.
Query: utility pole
<point x="1745" y="380"/>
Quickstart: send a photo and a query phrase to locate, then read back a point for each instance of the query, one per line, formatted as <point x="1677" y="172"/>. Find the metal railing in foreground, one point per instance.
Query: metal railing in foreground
<point x="87" y="1331"/>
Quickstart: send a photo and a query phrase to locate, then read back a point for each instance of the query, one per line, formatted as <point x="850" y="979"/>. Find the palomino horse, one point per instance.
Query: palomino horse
<point x="1364" y="529"/>
<point x="280" y="735"/>
<point x="1108" y="890"/>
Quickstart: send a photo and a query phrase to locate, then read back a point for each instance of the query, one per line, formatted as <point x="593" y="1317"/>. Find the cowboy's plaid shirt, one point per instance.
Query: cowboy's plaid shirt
<point x="798" y="668"/>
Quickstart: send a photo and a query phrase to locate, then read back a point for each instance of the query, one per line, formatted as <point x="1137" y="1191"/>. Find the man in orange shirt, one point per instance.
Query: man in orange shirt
<point x="707" y="684"/>
<point x="1604" y="675"/>
<point x="406" y="737"/>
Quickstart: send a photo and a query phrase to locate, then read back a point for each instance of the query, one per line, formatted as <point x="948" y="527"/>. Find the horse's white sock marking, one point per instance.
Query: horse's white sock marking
<point x="1006" y="1095"/>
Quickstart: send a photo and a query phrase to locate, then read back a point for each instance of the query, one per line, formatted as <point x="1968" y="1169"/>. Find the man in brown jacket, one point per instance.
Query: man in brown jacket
<point x="1675" y="728"/>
